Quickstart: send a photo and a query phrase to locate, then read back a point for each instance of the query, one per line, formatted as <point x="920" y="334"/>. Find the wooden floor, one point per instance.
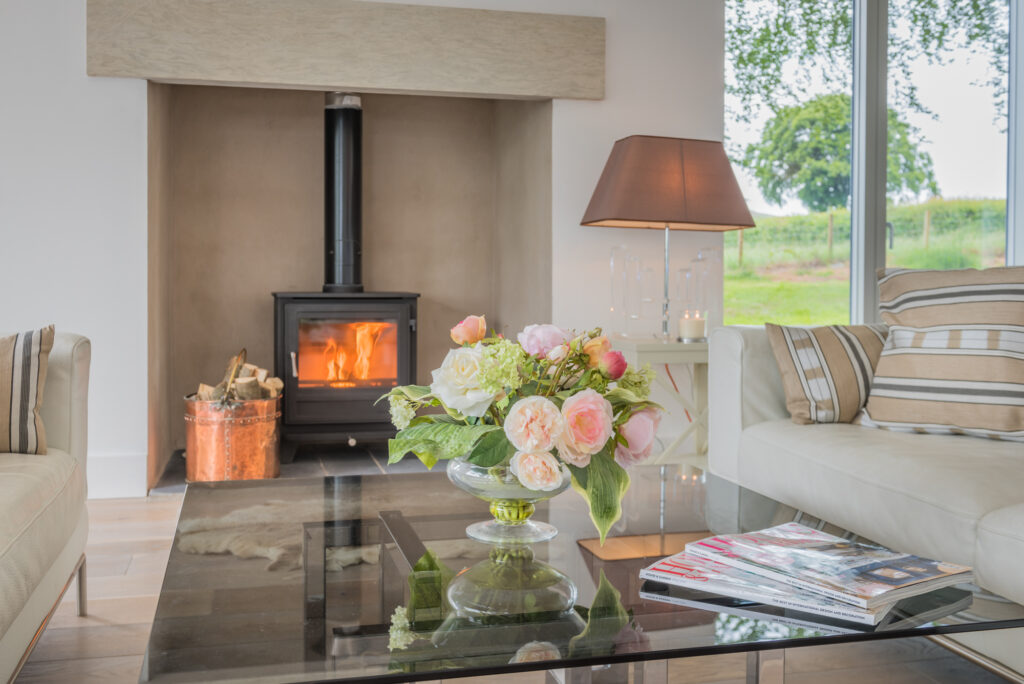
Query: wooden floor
<point x="129" y="541"/>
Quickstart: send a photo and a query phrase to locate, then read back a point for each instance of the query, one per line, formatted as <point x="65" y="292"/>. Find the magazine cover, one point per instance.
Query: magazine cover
<point x="860" y="574"/>
<point x="907" y="614"/>
<point x="695" y="572"/>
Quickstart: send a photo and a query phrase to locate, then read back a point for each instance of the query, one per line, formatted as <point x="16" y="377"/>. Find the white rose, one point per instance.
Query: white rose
<point x="457" y="382"/>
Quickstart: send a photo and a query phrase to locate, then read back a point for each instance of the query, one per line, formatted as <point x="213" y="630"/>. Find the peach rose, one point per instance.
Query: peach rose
<point x="536" y="470"/>
<point x="533" y="424"/>
<point x="639" y="431"/>
<point x="538" y="340"/>
<point x="588" y="425"/>
<point x="596" y="348"/>
<point x="470" y="330"/>
<point x="613" y="365"/>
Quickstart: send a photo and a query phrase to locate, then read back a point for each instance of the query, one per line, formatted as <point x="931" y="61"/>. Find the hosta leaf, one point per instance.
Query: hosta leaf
<point x="492" y="449"/>
<point x="435" y="441"/>
<point x="603" y="484"/>
<point x="605" y="620"/>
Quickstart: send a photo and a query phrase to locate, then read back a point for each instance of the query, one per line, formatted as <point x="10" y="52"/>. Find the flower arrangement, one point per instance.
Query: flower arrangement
<point x="550" y="402"/>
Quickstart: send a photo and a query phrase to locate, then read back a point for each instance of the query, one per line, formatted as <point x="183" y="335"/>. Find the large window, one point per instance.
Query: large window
<point x="790" y="107"/>
<point x="788" y="131"/>
<point x="946" y="178"/>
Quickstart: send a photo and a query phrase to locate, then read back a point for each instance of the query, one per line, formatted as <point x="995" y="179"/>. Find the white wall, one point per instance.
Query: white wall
<point x="664" y="76"/>
<point x="73" y="220"/>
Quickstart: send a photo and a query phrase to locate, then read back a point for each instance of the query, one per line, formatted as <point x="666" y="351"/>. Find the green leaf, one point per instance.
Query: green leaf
<point x="492" y="449"/>
<point x="435" y="441"/>
<point x="428" y="584"/>
<point x="603" y="484"/>
<point x="605" y="619"/>
<point x="411" y="392"/>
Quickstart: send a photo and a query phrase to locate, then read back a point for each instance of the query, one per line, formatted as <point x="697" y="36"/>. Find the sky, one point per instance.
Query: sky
<point x="967" y="144"/>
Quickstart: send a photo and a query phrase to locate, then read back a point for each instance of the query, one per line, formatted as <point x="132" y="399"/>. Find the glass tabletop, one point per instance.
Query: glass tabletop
<point x="373" y="577"/>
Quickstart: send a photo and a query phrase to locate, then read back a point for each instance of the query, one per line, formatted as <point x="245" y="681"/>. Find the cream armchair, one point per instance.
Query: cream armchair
<point x="43" y="521"/>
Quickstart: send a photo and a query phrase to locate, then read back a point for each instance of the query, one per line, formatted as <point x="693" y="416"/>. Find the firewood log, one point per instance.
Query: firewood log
<point x="248" y="388"/>
<point x="262" y="374"/>
<point x="268" y="391"/>
<point x="234" y="368"/>
<point x="205" y="392"/>
<point x="248" y="370"/>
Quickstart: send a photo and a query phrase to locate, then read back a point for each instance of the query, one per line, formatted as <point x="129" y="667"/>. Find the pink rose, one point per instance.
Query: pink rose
<point x="639" y="432"/>
<point x="596" y="348"/>
<point x="588" y="425"/>
<point x="538" y="340"/>
<point x="613" y="365"/>
<point x="536" y="470"/>
<point x="470" y="330"/>
<point x="533" y="424"/>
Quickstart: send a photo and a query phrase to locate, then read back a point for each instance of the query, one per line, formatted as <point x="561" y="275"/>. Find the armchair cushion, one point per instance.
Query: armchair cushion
<point x="23" y="360"/>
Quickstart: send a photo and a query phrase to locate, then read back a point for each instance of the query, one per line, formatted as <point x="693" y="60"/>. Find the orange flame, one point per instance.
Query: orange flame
<point x="336" y="359"/>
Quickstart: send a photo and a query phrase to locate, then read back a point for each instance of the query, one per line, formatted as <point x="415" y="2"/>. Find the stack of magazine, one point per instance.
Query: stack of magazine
<point x="811" y="577"/>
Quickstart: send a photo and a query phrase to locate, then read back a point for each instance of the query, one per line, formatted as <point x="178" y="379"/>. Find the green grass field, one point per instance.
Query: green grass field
<point x="788" y="276"/>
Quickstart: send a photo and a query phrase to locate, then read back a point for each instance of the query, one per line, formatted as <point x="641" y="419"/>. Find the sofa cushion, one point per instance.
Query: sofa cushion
<point x="954" y="359"/>
<point x="923" y="494"/>
<point x="826" y="371"/>
<point x="1000" y="552"/>
<point x="23" y="360"/>
<point x="43" y="500"/>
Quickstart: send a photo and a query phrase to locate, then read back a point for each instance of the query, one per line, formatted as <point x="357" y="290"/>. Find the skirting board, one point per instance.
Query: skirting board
<point x="116" y="475"/>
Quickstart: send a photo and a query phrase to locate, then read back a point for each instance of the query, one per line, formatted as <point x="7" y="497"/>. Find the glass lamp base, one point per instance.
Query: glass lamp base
<point x="495" y="532"/>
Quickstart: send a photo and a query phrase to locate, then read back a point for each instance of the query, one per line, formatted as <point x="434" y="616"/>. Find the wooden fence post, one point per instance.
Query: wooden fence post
<point x="927" y="225"/>
<point x="741" y="249"/>
<point x="831" y="224"/>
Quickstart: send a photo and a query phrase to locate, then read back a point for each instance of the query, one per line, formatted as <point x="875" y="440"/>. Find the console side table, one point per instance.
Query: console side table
<point x="642" y="350"/>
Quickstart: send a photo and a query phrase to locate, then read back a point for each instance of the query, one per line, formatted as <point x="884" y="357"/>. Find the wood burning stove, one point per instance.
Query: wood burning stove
<point x="339" y="350"/>
<point x="337" y="353"/>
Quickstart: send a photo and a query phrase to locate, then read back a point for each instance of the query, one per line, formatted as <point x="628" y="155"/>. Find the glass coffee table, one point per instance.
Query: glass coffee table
<point x="372" y="578"/>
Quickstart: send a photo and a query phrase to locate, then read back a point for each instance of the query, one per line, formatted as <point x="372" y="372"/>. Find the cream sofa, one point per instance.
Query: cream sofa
<point x="950" y="497"/>
<point x="43" y="523"/>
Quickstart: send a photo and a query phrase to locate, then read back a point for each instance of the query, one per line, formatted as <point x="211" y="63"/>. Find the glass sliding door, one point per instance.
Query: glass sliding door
<point x="788" y="131"/>
<point x="947" y="134"/>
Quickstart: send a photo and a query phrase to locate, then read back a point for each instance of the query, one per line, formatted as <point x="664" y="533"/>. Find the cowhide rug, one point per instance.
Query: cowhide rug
<point x="273" y="530"/>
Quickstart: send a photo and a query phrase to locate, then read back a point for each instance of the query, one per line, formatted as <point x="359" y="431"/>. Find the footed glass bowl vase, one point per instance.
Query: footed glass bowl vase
<point x="512" y="504"/>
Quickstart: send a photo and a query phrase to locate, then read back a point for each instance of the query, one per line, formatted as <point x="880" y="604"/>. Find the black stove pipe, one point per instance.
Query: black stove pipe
<point x="343" y="189"/>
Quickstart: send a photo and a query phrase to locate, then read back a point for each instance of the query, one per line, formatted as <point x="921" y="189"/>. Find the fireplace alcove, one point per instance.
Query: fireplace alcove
<point x="456" y="207"/>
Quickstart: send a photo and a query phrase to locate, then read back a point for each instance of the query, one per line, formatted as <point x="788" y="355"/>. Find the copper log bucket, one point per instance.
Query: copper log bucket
<point x="233" y="441"/>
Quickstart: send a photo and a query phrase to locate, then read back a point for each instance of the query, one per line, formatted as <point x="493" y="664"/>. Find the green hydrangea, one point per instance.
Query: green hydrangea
<point x="400" y="634"/>
<point x="499" y="367"/>
<point x="402" y="411"/>
<point x="637" y="380"/>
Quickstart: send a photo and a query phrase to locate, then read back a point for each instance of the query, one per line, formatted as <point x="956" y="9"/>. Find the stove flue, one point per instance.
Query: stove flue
<point x="343" y="188"/>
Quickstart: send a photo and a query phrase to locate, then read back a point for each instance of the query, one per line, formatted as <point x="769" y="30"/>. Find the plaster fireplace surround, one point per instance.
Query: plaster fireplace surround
<point x="456" y="164"/>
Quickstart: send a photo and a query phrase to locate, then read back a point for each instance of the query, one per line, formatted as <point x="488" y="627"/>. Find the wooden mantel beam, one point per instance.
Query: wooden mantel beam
<point x="352" y="45"/>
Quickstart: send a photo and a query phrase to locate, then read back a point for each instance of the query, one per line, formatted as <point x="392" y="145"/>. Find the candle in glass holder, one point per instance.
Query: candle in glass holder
<point x="691" y="326"/>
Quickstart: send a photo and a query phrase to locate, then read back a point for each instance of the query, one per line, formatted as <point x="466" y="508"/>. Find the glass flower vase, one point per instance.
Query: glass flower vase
<point x="512" y="504"/>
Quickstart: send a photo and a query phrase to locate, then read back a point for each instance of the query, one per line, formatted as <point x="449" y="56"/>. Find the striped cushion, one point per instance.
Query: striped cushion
<point x="954" y="360"/>
<point x="22" y="377"/>
<point x="826" y="372"/>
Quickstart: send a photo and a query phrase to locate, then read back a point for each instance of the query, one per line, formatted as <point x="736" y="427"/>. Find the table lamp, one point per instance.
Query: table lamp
<point x="668" y="184"/>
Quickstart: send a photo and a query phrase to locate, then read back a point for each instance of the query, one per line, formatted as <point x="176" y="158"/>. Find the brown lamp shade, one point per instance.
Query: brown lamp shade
<point x="654" y="182"/>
